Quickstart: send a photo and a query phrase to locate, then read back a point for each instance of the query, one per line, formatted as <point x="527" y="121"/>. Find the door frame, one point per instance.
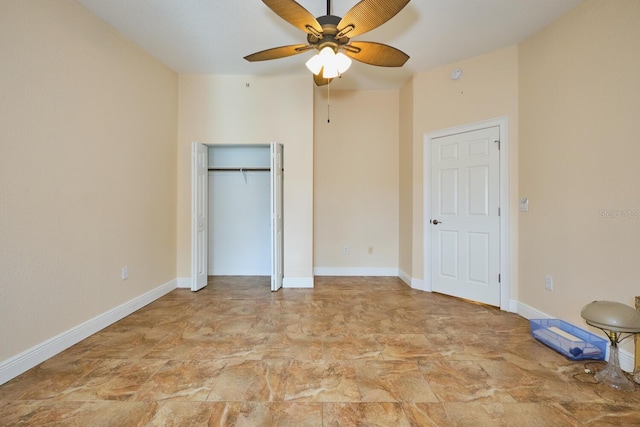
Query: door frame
<point x="194" y="203"/>
<point x="504" y="269"/>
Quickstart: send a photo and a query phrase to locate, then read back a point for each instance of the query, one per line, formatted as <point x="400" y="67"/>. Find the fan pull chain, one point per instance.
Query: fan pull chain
<point x="328" y="101"/>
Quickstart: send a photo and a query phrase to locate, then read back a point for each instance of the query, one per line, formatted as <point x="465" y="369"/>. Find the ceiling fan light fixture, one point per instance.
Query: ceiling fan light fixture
<point x="327" y="54"/>
<point x="332" y="36"/>
<point x="330" y="68"/>
<point x="314" y="64"/>
<point x="329" y="63"/>
<point x="343" y="62"/>
<point x="330" y="71"/>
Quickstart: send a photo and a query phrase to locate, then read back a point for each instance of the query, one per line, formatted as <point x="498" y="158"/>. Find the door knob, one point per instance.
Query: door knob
<point x="436" y="222"/>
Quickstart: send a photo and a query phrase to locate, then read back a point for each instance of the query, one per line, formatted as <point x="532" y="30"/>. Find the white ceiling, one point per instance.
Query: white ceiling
<point x="213" y="36"/>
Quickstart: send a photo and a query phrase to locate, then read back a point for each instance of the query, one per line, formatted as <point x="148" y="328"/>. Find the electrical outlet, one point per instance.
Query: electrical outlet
<point x="345" y="250"/>
<point x="370" y="250"/>
<point x="548" y="283"/>
<point x="125" y="273"/>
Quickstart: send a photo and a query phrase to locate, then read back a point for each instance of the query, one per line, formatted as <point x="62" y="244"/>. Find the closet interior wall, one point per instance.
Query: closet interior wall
<point x="239" y="210"/>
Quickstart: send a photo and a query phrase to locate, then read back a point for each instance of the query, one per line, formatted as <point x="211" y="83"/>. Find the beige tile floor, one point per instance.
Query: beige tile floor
<point x="351" y="352"/>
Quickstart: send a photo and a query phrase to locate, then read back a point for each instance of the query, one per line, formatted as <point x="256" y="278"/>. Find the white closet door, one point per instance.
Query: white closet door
<point x="199" y="210"/>
<point x="276" y="217"/>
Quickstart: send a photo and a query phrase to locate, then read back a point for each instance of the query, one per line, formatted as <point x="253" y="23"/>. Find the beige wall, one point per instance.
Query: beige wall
<point x="488" y="89"/>
<point x="405" y="205"/>
<point x="356" y="182"/>
<point x="88" y="124"/>
<point x="579" y="151"/>
<point x="252" y="110"/>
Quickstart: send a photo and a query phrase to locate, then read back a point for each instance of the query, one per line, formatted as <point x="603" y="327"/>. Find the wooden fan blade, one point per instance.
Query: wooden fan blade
<point x="319" y="80"/>
<point x="367" y="15"/>
<point x="376" y="54"/>
<point x="278" y="52"/>
<point x="294" y="14"/>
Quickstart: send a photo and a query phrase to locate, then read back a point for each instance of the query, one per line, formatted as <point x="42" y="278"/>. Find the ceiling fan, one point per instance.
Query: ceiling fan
<point x="331" y="36"/>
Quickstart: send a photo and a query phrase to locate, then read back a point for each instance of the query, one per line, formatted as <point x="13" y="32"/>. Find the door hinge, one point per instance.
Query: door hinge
<point x="497" y="142"/>
<point x="499" y="278"/>
<point x="498" y="210"/>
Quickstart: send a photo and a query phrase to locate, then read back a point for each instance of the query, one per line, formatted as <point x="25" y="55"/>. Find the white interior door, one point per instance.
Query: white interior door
<point x="465" y="223"/>
<point x="276" y="217"/>
<point x="199" y="211"/>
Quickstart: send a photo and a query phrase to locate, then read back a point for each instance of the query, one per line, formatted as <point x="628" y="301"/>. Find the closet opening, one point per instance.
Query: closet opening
<point x="240" y="226"/>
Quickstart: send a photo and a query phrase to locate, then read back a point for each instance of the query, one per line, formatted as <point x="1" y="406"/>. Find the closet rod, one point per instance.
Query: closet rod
<point x="240" y="169"/>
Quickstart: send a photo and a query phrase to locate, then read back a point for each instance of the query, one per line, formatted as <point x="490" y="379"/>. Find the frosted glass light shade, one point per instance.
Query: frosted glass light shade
<point x="314" y="64"/>
<point x="329" y="63"/>
<point x="343" y="62"/>
<point x="327" y="53"/>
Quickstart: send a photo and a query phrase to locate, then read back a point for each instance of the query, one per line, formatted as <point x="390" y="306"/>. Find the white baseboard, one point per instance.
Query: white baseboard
<point x="529" y="312"/>
<point x="625" y="357"/>
<point x="183" y="282"/>
<point x="238" y="272"/>
<point x="626" y="360"/>
<point x="287" y="282"/>
<point x="30" y="358"/>
<point x="513" y="306"/>
<point x="418" y="284"/>
<point x="404" y="276"/>
<point x="349" y="271"/>
<point x="297" y="282"/>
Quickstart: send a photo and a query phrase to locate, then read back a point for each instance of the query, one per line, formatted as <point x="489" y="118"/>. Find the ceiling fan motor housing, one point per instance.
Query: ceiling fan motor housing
<point x="329" y="25"/>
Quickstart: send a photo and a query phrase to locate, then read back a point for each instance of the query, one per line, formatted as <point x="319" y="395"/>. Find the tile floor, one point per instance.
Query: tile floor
<point x="357" y="351"/>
